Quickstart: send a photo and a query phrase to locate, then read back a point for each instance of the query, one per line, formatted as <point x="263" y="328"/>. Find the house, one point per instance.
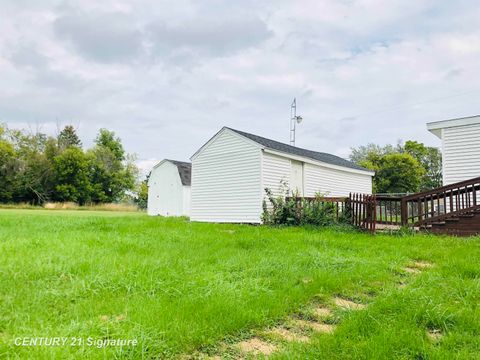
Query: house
<point x="169" y="188"/>
<point x="460" y="147"/>
<point x="231" y="171"/>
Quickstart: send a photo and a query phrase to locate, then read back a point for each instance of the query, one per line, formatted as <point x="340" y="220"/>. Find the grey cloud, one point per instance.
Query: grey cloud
<point x="39" y="71"/>
<point x="208" y="37"/>
<point x="28" y="56"/>
<point x="104" y="38"/>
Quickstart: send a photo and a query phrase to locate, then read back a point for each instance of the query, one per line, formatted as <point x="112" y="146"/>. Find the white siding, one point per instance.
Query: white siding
<point x="226" y="182"/>
<point x="316" y="179"/>
<point x="187" y="196"/>
<point x="461" y="153"/>
<point x="333" y="182"/>
<point x="165" y="191"/>
<point x="276" y="169"/>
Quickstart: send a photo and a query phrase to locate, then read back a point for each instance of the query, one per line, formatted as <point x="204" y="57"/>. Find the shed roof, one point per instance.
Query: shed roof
<point x="315" y="155"/>
<point x="184" y="170"/>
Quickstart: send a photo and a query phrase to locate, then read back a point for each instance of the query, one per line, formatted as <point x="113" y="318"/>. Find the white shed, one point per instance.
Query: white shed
<point x="231" y="171"/>
<point x="169" y="188"/>
<point x="460" y="147"/>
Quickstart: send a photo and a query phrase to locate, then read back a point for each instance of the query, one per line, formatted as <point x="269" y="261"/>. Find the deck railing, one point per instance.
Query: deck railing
<point x="421" y="209"/>
<point x="389" y="209"/>
<point x="442" y="203"/>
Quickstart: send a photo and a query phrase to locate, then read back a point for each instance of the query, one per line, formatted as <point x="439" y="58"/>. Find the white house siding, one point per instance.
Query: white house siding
<point x="276" y="170"/>
<point x="333" y="182"/>
<point x="165" y="191"/>
<point x="461" y="153"/>
<point x="226" y="182"/>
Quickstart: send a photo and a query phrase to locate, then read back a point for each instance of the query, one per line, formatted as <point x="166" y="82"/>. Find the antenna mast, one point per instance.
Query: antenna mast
<point x="294" y="119"/>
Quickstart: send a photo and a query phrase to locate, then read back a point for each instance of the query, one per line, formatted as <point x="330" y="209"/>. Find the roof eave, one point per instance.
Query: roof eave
<point x="435" y="127"/>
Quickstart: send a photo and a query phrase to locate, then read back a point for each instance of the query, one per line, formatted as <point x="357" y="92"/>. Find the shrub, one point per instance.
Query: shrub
<point x="291" y="210"/>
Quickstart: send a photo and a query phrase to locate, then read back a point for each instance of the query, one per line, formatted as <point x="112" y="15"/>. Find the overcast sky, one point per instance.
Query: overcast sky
<point x="167" y="75"/>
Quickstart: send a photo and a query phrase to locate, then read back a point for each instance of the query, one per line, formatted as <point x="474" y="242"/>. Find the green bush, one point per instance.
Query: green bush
<point x="288" y="210"/>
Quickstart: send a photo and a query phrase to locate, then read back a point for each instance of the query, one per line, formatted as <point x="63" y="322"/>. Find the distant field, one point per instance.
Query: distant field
<point x="181" y="288"/>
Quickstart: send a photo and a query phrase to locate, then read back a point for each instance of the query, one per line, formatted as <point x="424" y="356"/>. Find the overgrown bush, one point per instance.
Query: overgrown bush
<point x="288" y="209"/>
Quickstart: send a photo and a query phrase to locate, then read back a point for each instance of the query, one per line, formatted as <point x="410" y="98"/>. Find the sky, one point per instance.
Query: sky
<point x="167" y="75"/>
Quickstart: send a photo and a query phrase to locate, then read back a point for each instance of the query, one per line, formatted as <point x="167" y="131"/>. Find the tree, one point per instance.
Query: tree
<point x="32" y="171"/>
<point x="72" y="176"/>
<point x="107" y="139"/>
<point x="113" y="173"/>
<point x="7" y="166"/>
<point x="375" y="157"/>
<point x="372" y="152"/>
<point x="142" y="194"/>
<point x="431" y="160"/>
<point x="398" y="173"/>
<point x="37" y="168"/>
<point x="68" y="138"/>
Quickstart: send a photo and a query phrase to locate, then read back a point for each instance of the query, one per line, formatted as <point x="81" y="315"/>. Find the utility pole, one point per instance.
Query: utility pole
<point x="294" y="120"/>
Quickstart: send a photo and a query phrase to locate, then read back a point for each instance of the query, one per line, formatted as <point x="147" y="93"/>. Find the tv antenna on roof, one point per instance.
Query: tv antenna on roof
<point x="294" y="120"/>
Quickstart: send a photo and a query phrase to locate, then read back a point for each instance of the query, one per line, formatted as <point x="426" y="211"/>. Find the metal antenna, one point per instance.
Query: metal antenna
<point x="294" y="119"/>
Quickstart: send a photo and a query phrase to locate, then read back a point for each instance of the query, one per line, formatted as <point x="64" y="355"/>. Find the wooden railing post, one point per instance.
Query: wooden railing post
<point x="404" y="212"/>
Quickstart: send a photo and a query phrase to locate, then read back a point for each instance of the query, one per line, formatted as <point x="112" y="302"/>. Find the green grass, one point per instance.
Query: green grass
<point x="179" y="287"/>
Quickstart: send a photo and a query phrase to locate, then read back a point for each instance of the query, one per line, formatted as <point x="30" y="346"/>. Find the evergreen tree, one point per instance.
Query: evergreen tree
<point x="68" y="138"/>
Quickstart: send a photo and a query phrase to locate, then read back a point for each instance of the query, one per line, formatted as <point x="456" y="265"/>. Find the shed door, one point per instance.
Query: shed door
<point x="296" y="177"/>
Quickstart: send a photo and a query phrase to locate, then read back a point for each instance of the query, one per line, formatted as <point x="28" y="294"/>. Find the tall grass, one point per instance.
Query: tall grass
<point x="72" y="206"/>
<point x="92" y="207"/>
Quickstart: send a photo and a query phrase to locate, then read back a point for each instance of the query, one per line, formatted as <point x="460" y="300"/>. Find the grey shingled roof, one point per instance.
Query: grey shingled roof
<point x="184" y="170"/>
<point x="315" y="155"/>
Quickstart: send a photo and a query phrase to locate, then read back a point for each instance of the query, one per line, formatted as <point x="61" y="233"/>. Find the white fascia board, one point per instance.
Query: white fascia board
<point x="319" y="163"/>
<point x="160" y="163"/>
<point x="436" y="127"/>
<point x="221" y="131"/>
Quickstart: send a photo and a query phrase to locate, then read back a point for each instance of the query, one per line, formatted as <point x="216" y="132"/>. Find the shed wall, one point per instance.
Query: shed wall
<point x="333" y="182"/>
<point x="226" y="182"/>
<point x="165" y="191"/>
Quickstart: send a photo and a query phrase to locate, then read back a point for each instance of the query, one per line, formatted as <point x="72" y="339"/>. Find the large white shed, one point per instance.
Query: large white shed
<point x="169" y="188"/>
<point x="460" y="147"/>
<point x="231" y="171"/>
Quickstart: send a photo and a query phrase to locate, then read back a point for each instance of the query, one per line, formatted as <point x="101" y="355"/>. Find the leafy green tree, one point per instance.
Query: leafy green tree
<point x="372" y="152"/>
<point x="68" y="138"/>
<point x="37" y="168"/>
<point x="376" y="157"/>
<point x="431" y="160"/>
<point x="142" y="194"/>
<point x="398" y="173"/>
<point x="106" y="139"/>
<point x="7" y="166"/>
<point x="113" y="173"/>
<point x="33" y="171"/>
<point x="72" y="169"/>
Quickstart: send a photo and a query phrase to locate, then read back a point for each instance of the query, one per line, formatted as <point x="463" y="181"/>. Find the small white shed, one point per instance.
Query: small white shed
<point x="169" y="188"/>
<point x="460" y="147"/>
<point x="231" y="171"/>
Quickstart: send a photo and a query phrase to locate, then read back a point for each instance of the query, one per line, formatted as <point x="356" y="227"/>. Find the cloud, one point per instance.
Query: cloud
<point x="209" y="37"/>
<point x="165" y="76"/>
<point x="107" y="37"/>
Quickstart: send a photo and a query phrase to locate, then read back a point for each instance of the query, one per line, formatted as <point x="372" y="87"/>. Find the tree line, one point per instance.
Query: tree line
<point x="401" y="168"/>
<point x="37" y="168"/>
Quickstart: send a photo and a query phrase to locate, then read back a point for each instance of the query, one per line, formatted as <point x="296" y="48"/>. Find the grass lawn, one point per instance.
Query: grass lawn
<point x="190" y="288"/>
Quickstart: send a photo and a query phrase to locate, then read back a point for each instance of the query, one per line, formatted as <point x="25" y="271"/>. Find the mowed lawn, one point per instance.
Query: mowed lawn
<point x="189" y="288"/>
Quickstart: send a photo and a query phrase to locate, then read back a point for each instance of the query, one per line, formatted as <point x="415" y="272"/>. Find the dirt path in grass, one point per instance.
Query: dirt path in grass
<point x="319" y="318"/>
